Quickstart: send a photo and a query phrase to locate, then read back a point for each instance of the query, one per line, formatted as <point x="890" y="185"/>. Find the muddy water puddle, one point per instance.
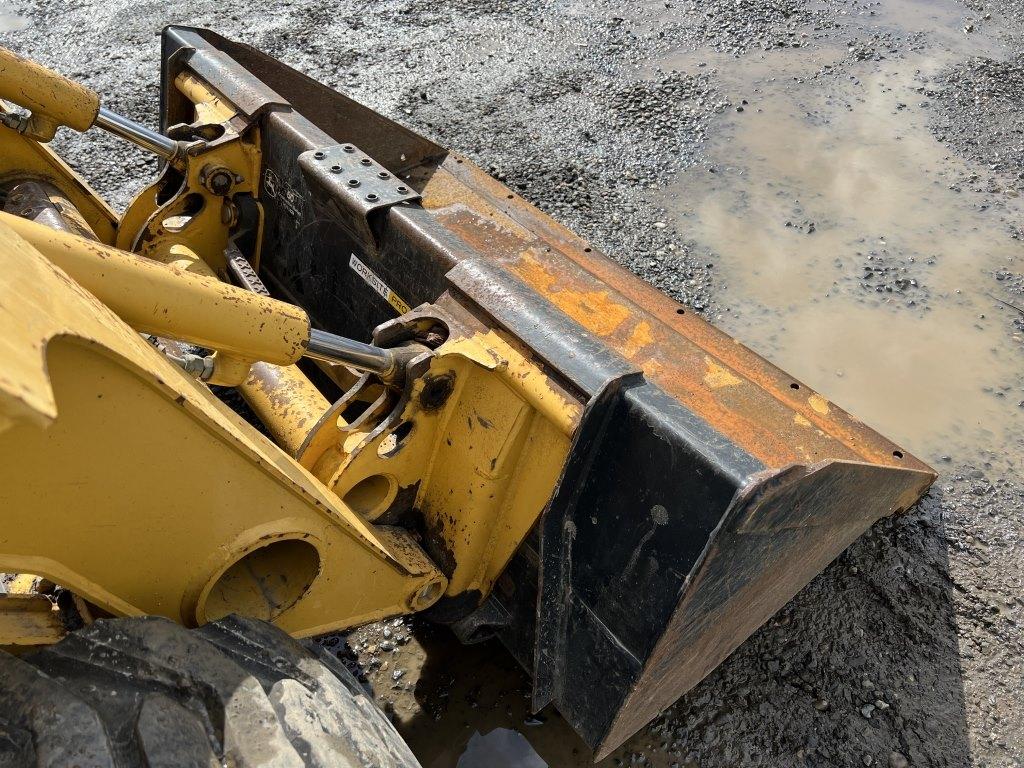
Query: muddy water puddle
<point x="854" y="253"/>
<point x="468" y="706"/>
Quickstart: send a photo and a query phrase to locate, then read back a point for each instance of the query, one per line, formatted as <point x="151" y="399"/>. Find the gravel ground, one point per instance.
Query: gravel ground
<point x="981" y="113"/>
<point x="907" y="650"/>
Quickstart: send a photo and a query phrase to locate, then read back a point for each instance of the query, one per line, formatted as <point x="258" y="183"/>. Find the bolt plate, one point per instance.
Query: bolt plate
<point x="356" y="178"/>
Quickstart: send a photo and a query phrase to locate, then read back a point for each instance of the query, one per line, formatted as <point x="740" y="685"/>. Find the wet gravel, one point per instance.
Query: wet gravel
<point x="892" y="278"/>
<point x="908" y="649"/>
<point x="980" y="114"/>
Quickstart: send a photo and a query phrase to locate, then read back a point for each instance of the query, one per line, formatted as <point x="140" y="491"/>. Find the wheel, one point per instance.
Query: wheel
<point x="148" y="692"/>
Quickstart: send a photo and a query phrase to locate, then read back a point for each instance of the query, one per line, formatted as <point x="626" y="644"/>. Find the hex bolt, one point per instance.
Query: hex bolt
<point x="372" y="197"/>
<point x="436" y="390"/>
<point x="217" y="179"/>
<point x="353" y="182"/>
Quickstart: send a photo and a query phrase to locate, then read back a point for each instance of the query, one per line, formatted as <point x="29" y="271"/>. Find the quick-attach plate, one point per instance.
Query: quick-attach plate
<point x="357" y="183"/>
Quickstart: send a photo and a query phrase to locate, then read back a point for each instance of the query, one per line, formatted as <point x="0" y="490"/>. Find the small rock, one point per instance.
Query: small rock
<point x="867" y="710"/>
<point x="897" y="760"/>
<point x="821" y="704"/>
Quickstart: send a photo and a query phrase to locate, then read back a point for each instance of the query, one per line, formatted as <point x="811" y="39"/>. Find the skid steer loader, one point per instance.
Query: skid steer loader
<point x="323" y="371"/>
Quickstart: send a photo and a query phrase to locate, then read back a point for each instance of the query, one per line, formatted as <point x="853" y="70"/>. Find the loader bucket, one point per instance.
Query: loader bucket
<point x="704" y="486"/>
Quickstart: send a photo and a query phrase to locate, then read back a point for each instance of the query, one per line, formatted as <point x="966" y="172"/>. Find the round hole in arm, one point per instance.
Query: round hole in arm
<point x="898" y="454"/>
<point x="794" y="385"/>
<point x="265" y="582"/>
<point x="370" y="496"/>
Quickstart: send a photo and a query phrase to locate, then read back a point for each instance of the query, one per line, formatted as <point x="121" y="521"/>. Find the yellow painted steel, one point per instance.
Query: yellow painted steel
<point x="130" y="484"/>
<point x="23" y="584"/>
<point x="281" y="396"/>
<point x="286" y="401"/>
<point x="182" y="257"/>
<point x="194" y="216"/>
<point x="205" y="216"/>
<point x="210" y="106"/>
<point x="52" y="99"/>
<point x="482" y="467"/>
<point x="179" y="304"/>
<point x="251" y="531"/>
<point x="505" y="441"/>
<point x="28" y="620"/>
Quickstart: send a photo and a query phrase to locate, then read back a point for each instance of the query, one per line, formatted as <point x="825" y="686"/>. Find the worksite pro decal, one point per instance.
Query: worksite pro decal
<point x="378" y="285"/>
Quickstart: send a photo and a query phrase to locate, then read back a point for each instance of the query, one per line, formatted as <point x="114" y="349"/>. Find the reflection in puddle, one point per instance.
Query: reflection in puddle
<point x="854" y="255"/>
<point x="501" y="748"/>
<point x="468" y="706"/>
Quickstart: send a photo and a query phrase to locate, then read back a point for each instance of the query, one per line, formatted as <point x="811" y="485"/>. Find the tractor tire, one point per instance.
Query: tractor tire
<point x="148" y="692"/>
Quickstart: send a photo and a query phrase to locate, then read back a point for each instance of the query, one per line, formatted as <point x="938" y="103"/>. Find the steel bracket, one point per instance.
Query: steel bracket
<point x="356" y="186"/>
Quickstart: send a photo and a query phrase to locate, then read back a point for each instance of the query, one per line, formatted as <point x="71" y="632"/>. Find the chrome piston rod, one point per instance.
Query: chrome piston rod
<point x="338" y="349"/>
<point x="137" y="134"/>
<point x="323" y="346"/>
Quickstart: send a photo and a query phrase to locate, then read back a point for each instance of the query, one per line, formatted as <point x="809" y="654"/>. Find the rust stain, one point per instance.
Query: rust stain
<point x="755" y="402"/>
<point x="597" y="311"/>
<point x="640" y="338"/>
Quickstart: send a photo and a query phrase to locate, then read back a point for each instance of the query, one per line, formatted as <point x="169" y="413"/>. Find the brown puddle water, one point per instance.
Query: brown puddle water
<point x="468" y="707"/>
<point x="933" y="364"/>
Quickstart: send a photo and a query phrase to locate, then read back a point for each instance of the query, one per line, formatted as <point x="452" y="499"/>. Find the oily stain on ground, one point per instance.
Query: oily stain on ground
<point x="847" y="260"/>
